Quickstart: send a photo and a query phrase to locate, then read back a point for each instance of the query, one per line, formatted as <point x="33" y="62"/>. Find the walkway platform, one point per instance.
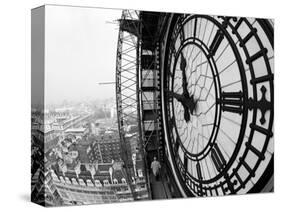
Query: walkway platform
<point x="159" y="189"/>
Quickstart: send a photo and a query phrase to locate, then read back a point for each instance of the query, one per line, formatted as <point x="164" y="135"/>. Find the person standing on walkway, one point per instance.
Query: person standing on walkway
<point x="155" y="166"/>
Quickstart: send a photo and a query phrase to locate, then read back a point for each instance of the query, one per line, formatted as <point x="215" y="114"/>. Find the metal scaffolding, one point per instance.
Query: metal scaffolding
<point x="127" y="93"/>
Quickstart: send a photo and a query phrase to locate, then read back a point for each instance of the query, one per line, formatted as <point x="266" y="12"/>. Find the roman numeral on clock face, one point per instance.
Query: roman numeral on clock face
<point x="195" y="27"/>
<point x="216" y="42"/>
<point x="199" y="172"/>
<point x="185" y="163"/>
<point x="231" y="102"/>
<point x="217" y="157"/>
<point x="181" y="34"/>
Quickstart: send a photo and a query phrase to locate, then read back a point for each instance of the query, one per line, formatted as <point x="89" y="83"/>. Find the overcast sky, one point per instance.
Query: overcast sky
<point x="80" y="52"/>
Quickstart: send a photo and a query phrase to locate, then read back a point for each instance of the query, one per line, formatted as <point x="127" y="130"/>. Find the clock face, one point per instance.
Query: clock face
<point x="218" y="103"/>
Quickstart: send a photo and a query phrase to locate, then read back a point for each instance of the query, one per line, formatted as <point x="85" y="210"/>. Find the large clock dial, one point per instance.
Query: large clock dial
<point x="217" y="89"/>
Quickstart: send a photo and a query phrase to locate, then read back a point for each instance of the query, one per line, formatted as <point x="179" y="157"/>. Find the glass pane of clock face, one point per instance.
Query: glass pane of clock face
<point x="219" y="85"/>
<point x="195" y="134"/>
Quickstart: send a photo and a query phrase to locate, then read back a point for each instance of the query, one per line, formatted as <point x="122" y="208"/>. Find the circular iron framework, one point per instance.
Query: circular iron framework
<point x="229" y="179"/>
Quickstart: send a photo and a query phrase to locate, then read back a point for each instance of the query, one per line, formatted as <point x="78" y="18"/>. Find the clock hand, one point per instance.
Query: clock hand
<point x="184" y="79"/>
<point x="186" y="114"/>
<point x="179" y="97"/>
<point x="187" y="104"/>
<point x="192" y="104"/>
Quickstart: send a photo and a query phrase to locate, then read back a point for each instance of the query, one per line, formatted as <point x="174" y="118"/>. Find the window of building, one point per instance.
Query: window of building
<point x="115" y="181"/>
<point x="106" y="183"/>
<point x="97" y="183"/>
<point x="123" y="180"/>
<point x="140" y="174"/>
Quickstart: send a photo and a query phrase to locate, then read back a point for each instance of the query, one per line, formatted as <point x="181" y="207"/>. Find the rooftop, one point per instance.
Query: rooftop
<point x="76" y="130"/>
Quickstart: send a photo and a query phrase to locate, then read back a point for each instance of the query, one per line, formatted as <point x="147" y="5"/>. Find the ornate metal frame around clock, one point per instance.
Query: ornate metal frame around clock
<point x="249" y="166"/>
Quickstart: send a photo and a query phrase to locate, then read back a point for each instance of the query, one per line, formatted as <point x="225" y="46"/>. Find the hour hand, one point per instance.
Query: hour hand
<point x="177" y="96"/>
<point x="185" y="103"/>
<point x="183" y="62"/>
<point x="186" y="114"/>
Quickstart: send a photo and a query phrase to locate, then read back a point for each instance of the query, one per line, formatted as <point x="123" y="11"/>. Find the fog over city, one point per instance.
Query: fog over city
<point x="78" y="42"/>
<point x="77" y="153"/>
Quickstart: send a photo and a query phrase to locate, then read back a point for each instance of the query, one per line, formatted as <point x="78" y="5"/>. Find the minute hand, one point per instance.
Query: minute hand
<point x="184" y="79"/>
<point x="189" y="100"/>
